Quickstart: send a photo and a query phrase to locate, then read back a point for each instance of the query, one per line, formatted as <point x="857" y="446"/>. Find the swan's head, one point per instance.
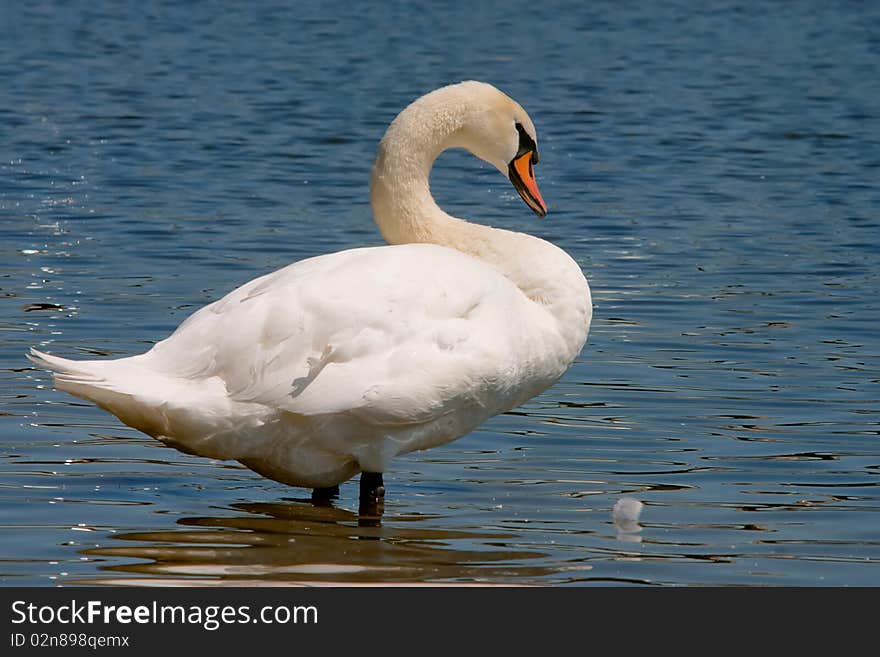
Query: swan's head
<point x="498" y="130"/>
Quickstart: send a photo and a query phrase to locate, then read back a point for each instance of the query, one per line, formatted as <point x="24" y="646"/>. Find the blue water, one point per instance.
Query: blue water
<point x="713" y="167"/>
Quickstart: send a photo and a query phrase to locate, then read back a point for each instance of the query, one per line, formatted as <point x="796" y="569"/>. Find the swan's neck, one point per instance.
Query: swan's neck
<point x="405" y="211"/>
<point x="400" y="193"/>
<point x="403" y="206"/>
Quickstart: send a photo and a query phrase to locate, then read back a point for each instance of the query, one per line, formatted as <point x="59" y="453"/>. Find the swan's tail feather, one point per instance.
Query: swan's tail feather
<point x="67" y="371"/>
<point x="99" y="381"/>
<point x="186" y="414"/>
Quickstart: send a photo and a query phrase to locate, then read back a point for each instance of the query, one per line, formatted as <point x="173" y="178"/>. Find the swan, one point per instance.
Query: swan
<point x="334" y="365"/>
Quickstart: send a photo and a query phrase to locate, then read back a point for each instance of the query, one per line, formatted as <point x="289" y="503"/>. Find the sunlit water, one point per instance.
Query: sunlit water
<point x="714" y="171"/>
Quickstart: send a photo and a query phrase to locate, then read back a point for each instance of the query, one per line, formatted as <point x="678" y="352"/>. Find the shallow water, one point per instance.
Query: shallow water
<point x="714" y="172"/>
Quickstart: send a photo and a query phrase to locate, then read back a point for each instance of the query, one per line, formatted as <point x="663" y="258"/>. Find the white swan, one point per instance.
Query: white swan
<point x="334" y="365"/>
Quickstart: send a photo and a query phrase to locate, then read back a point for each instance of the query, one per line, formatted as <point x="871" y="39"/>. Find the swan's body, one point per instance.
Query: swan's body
<point x="336" y="364"/>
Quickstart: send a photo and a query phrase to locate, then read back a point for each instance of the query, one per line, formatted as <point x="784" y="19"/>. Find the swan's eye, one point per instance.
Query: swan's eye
<point x="526" y="143"/>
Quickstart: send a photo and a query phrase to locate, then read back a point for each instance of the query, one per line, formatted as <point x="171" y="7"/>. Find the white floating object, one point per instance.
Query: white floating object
<point x="626" y="514"/>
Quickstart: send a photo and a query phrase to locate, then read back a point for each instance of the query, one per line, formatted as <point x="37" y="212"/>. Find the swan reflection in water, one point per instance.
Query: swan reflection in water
<point x="298" y="542"/>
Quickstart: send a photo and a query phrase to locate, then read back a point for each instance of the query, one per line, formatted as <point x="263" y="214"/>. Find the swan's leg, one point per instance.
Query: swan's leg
<point x="372" y="493"/>
<point x="323" y="496"/>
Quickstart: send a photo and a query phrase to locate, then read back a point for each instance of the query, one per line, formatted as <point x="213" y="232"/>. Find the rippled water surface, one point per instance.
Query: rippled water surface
<point x="712" y="168"/>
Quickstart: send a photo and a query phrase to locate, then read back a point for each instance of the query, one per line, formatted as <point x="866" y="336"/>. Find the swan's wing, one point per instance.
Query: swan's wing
<point x="395" y="335"/>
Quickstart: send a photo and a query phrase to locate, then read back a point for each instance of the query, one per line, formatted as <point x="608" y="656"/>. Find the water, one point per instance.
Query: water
<point x="714" y="170"/>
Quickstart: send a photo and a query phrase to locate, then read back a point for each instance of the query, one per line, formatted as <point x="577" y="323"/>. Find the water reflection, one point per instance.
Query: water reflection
<point x="296" y="542"/>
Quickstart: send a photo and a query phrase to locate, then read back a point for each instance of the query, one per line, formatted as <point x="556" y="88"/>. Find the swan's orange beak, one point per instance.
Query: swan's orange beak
<point x="522" y="174"/>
